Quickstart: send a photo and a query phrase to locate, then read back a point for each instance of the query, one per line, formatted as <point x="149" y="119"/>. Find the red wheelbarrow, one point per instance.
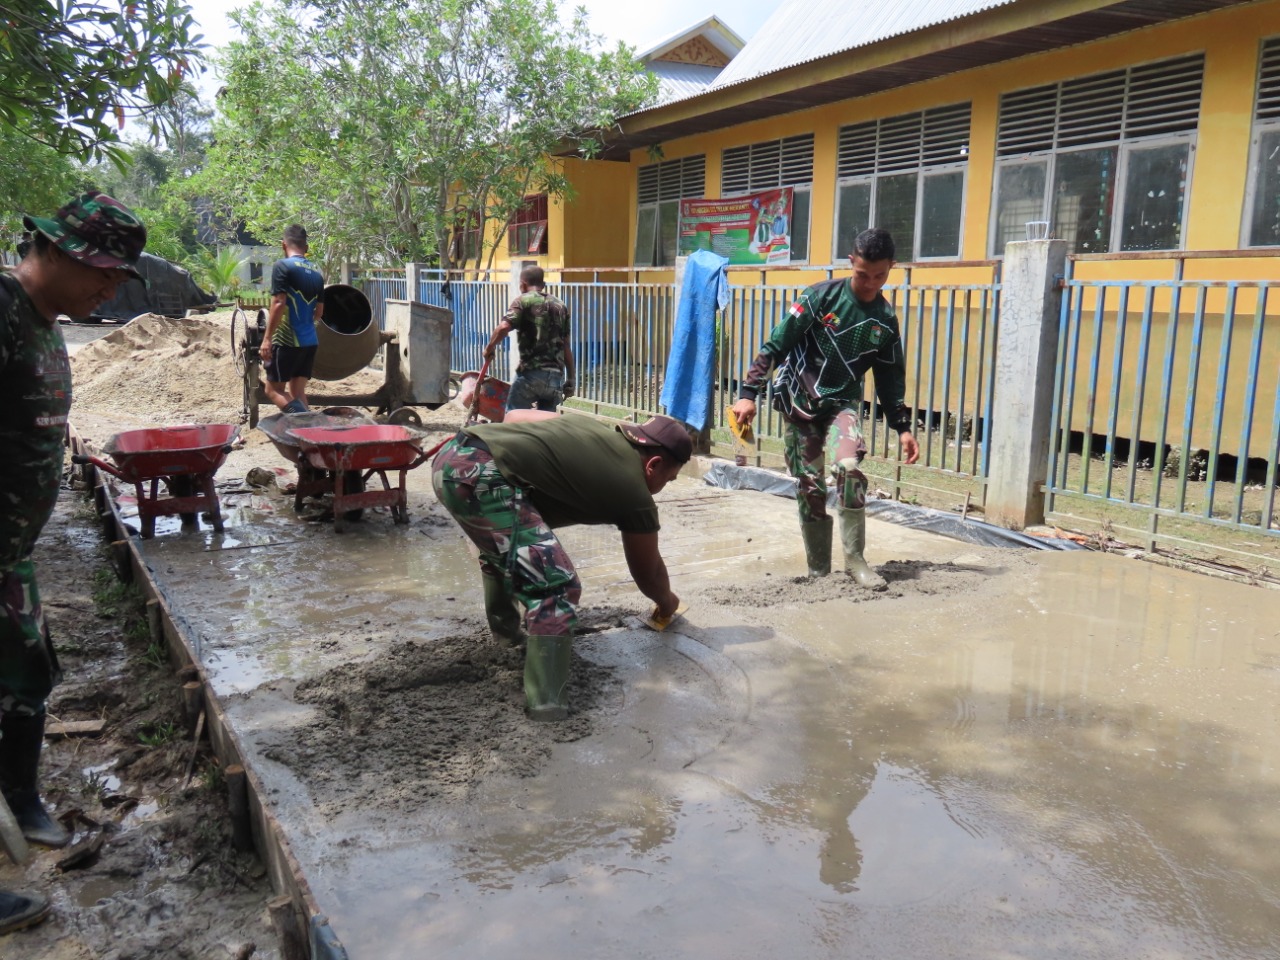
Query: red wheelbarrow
<point x="185" y="457"/>
<point x="365" y="451"/>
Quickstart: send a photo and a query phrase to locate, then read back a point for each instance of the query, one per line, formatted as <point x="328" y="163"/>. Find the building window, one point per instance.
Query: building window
<point x="659" y="189"/>
<point x="1106" y="159"/>
<point x="1264" y="177"/>
<point x="905" y="174"/>
<point x="775" y="163"/>
<point x="527" y="233"/>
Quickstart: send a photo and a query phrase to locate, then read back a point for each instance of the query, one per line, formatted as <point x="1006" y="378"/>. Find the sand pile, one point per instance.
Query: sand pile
<point x="168" y="371"/>
<point x="161" y="370"/>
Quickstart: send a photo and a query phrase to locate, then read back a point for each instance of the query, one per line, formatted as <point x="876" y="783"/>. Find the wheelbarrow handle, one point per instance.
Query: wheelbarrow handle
<point x="81" y="459"/>
<point x="475" y="400"/>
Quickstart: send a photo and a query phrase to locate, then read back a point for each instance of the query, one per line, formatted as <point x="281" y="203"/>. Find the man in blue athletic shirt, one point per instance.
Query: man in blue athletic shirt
<point x="289" y="346"/>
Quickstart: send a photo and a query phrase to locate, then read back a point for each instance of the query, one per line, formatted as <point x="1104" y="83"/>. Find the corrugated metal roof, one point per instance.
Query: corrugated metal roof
<point x="1059" y="27"/>
<point x="804" y="30"/>
<point x="679" y="80"/>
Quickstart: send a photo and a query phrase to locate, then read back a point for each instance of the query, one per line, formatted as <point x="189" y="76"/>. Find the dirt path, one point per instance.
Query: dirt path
<point x="165" y="883"/>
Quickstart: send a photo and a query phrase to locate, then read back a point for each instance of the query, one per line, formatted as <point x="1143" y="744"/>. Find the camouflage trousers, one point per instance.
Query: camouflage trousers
<point x="515" y="544"/>
<point x="28" y="667"/>
<point x="809" y="445"/>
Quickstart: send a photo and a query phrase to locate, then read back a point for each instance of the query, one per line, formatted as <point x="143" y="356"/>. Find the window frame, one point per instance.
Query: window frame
<point x="1268" y="84"/>
<point x="1124" y="151"/>
<point x="937" y="125"/>
<point x="527" y="231"/>
<point x="673" y="181"/>
<point x="1138" y="120"/>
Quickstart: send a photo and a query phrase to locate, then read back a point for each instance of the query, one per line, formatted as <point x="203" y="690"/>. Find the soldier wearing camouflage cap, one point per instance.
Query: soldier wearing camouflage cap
<point x="77" y="259"/>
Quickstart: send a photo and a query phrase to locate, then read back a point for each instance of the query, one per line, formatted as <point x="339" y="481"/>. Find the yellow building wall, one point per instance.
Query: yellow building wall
<point x="1230" y="40"/>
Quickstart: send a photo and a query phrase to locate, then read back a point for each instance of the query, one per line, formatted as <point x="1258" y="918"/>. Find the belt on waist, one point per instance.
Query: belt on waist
<point x="470" y="440"/>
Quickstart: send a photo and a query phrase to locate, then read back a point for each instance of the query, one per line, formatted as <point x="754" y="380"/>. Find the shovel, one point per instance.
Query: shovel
<point x="11" y="838"/>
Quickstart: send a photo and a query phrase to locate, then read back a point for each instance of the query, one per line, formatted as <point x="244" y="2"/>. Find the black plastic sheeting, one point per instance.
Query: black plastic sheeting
<point x="728" y="476"/>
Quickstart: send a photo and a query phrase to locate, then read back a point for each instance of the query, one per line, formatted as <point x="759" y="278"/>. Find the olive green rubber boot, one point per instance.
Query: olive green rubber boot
<point x="21" y="739"/>
<point x="500" y="609"/>
<point x="853" y="534"/>
<point x="817" y="546"/>
<point x="21" y="910"/>
<point x="546" y="676"/>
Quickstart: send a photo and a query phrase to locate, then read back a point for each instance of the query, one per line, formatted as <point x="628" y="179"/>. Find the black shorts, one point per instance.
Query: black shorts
<point x="289" y="362"/>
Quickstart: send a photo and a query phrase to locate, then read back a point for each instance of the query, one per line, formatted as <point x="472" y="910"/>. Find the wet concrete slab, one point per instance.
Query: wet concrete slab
<point x="1008" y="754"/>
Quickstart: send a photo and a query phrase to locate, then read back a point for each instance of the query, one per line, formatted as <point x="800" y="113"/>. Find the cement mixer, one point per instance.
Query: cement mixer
<point x="418" y="339"/>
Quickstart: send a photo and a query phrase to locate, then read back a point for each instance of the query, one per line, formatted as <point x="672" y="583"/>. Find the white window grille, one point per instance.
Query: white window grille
<point x="905" y="174"/>
<point x="1106" y="158"/>
<point x="659" y="189"/>
<point x="775" y="163"/>
<point x="1262" y="211"/>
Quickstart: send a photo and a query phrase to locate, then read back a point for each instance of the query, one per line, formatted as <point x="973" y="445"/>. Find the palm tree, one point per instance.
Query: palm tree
<point x="219" y="270"/>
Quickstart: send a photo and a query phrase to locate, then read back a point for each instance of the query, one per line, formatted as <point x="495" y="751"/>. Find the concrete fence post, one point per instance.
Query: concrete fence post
<point x="513" y="342"/>
<point x="1026" y="355"/>
<point x="411" y="280"/>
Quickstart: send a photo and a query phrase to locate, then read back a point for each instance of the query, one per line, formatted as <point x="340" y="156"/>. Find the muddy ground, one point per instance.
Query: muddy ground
<point x="154" y="875"/>
<point x="164" y="881"/>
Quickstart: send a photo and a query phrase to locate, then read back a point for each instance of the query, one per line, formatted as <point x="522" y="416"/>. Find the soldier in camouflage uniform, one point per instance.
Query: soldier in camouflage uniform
<point x="78" y="258"/>
<point x="830" y="338"/>
<point x="510" y="484"/>
<point x="544" y="377"/>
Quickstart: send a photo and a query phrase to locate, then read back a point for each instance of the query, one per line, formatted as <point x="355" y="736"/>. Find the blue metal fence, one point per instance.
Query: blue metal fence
<point x="1167" y="406"/>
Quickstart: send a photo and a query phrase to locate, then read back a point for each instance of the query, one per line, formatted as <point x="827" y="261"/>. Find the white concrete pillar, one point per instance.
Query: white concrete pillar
<point x="1026" y="355"/>
<point x="513" y="348"/>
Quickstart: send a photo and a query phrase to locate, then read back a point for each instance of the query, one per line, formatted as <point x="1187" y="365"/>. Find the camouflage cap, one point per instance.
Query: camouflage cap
<point x="97" y="230"/>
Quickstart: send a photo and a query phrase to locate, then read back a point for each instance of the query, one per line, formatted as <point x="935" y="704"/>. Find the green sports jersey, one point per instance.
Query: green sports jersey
<point x="823" y="348"/>
<point x="35" y="398"/>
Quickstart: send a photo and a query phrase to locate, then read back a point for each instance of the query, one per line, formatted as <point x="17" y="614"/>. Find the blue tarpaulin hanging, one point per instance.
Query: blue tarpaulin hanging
<point x="686" y="388"/>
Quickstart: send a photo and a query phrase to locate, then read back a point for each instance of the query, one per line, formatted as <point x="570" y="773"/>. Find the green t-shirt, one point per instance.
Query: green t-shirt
<point x="542" y="327"/>
<point x="35" y="398"/>
<point x="575" y="470"/>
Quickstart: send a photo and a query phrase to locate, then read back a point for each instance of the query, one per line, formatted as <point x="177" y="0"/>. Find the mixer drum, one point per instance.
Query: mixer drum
<point x="348" y="337"/>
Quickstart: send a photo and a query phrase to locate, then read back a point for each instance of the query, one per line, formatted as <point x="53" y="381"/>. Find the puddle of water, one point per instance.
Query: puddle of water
<point x="101" y="776"/>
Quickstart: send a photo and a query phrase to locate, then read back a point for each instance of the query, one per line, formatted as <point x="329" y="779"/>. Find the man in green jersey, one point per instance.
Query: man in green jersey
<point x="510" y="484"/>
<point x="836" y="332"/>
<point x="77" y="259"/>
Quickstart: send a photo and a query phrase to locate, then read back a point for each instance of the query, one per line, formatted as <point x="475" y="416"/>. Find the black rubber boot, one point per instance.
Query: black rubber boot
<point x="21" y="738"/>
<point x="500" y="609"/>
<point x="19" y="910"/>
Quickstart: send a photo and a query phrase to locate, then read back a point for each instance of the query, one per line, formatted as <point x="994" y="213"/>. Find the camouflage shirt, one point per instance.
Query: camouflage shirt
<point x="35" y="397"/>
<point x="542" y="329"/>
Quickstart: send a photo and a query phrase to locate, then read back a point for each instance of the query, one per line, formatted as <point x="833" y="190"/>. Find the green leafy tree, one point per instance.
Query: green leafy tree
<point x="73" y="71"/>
<point x="34" y="178"/>
<point x="380" y="124"/>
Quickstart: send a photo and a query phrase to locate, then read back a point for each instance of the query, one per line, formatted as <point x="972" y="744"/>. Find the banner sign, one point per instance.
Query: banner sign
<point x="751" y="229"/>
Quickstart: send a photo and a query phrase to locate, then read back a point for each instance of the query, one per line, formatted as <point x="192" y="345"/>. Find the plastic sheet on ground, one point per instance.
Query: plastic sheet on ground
<point x="728" y="476"/>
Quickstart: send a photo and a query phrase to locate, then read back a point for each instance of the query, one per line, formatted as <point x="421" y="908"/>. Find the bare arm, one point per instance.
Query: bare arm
<point x="499" y="334"/>
<point x="273" y="324"/>
<point x="648" y="571"/>
<point x="569" y="382"/>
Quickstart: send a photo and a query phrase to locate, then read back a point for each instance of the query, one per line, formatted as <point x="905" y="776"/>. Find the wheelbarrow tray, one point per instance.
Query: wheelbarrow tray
<point x="183" y="450"/>
<point x="365" y="447"/>
<point x="277" y="427"/>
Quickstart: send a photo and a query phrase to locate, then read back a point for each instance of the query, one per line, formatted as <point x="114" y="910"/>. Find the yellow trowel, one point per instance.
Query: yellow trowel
<point x="655" y="622"/>
<point x="743" y="435"/>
